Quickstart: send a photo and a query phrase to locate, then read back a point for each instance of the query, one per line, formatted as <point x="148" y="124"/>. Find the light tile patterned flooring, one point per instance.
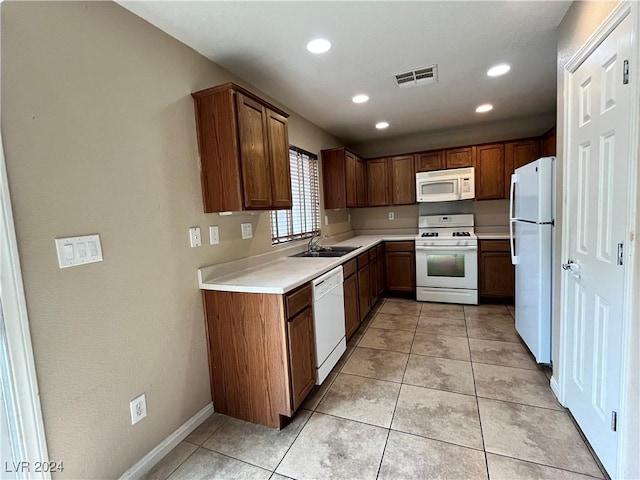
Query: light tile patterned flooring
<point x="423" y="391"/>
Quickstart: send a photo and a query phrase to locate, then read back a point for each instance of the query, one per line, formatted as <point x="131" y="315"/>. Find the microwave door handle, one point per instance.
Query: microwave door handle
<point x="459" y="188"/>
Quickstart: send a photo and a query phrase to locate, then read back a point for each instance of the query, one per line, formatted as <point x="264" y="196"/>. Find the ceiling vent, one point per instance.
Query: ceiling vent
<point x="420" y="76"/>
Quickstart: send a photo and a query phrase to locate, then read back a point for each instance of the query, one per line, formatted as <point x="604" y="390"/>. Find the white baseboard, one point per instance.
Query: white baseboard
<point x="160" y="451"/>
<point x="555" y="388"/>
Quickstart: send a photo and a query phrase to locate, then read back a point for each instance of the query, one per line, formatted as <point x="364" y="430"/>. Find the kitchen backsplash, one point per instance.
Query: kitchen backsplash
<point x="490" y="213"/>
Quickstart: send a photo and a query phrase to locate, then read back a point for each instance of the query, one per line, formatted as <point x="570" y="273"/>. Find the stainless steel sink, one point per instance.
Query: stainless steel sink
<point x="327" y="252"/>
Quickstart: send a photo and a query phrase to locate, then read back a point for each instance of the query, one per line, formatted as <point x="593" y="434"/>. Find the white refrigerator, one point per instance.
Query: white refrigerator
<point x="531" y="224"/>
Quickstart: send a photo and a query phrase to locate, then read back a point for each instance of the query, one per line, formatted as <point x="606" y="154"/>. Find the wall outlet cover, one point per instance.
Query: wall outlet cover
<point x="247" y="231"/>
<point x="195" y="237"/>
<point x="214" y="235"/>
<point x="392" y="216"/>
<point x="138" y="407"/>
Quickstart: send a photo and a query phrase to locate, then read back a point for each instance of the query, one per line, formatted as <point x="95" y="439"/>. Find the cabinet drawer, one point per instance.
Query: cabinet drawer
<point x="349" y="268"/>
<point x="298" y="300"/>
<point x="407" y="246"/>
<point x="363" y="259"/>
<point x="494" y="245"/>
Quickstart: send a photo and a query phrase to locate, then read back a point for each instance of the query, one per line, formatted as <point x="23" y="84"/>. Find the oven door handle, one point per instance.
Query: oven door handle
<point x="447" y="249"/>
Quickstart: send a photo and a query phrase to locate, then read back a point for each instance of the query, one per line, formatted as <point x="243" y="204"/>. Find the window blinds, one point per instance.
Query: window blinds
<point x="303" y="220"/>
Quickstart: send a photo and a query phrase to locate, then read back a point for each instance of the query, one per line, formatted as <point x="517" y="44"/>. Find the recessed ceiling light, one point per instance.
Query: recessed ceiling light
<point x="360" y="98"/>
<point x="319" y="45"/>
<point x="382" y="125"/>
<point x="498" y="70"/>
<point x="484" y="108"/>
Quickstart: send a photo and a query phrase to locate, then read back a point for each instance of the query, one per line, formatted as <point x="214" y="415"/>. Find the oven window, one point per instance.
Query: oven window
<point x="437" y="188"/>
<point x="445" y="265"/>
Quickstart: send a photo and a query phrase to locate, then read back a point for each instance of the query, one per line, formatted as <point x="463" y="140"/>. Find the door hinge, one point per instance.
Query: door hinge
<point x="614" y="421"/>
<point x="620" y="253"/>
<point x="625" y="72"/>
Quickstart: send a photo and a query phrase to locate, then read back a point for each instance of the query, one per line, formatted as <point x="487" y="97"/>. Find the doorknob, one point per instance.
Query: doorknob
<point x="572" y="267"/>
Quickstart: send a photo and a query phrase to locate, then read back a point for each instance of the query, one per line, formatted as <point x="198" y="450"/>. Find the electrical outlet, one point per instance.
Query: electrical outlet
<point x="247" y="231"/>
<point x="349" y="217"/>
<point x="214" y="235"/>
<point x="138" y="407"/>
<point x="195" y="237"/>
<point x="326" y="219"/>
<point x="392" y="216"/>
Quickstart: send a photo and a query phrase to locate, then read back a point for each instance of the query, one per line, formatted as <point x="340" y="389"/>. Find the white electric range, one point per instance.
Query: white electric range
<point x="447" y="259"/>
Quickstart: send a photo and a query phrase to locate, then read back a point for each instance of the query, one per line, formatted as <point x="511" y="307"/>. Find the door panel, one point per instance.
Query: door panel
<point x="256" y="176"/>
<point x="597" y="206"/>
<point x="279" y="159"/>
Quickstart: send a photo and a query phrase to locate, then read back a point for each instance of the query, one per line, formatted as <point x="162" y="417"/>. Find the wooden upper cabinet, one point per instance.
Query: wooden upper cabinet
<point x="343" y="182"/>
<point x="517" y="154"/>
<point x="548" y="143"/>
<point x="459" y="157"/>
<point x="361" y="183"/>
<point x="351" y="179"/>
<point x="490" y="166"/>
<point x="403" y="180"/>
<point x="377" y="182"/>
<point x="244" y="151"/>
<point x="279" y="154"/>
<point x="428" y="161"/>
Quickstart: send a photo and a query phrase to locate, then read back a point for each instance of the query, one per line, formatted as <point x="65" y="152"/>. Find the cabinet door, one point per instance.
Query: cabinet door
<point x="489" y="161"/>
<point x="497" y="274"/>
<point x="254" y="157"/>
<point x="403" y="180"/>
<point x="400" y="272"/>
<point x="373" y="279"/>
<point x="302" y="355"/>
<point x="380" y="279"/>
<point x="363" y="291"/>
<point x="361" y="180"/>
<point x="351" y="179"/>
<point x="351" y="315"/>
<point x="549" y="143"/>
<point x="279" y="159"/>
<point x="377" y="182"/>
<point x="517" y="154"/>
<point x="428" y="161"/>
<point x="459" y="157"/>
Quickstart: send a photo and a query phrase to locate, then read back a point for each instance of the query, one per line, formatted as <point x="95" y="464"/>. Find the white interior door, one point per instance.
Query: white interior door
<point x="597" y="184"/>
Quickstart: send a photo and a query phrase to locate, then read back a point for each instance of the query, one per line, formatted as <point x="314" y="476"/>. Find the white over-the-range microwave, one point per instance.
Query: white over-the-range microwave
<point x="445" y="185"/>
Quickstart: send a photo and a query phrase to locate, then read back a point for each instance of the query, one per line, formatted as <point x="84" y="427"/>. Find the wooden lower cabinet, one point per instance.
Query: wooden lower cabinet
<point x="261" y="353"/>
<point x="302" y="359"/>
<point x="400" y="267"/>
<point x="497" y="274"/>
<point x="364" y="302"/>
<point x="351" y="313"/>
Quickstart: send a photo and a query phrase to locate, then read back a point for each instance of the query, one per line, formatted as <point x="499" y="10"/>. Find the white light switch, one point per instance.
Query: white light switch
<point x="247" y="231"/>
<point x="78" y="250"/>
<point x="214" y="235"/>
<point x="194" y="237"/>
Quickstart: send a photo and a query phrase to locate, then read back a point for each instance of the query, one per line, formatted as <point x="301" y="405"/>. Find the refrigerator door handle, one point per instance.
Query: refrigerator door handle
<point x="512" y="190"/>
<point x="515" y="259"/>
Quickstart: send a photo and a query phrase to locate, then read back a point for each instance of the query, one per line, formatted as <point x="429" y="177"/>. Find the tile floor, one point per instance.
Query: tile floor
<point x="423" y="391"/>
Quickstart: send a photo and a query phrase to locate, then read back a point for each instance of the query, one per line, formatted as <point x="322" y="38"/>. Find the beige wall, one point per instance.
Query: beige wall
<point x="577" y="26"/>
<point x="471" y="135"/>
<point x="99" y="136"/>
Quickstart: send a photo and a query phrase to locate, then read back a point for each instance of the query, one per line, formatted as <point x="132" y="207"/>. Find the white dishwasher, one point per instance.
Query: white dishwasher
<point x="328" y="321"/>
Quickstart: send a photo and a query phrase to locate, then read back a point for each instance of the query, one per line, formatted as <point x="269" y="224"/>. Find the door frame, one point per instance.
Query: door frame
<point x="620" y="12"/>
<point x="21" y="388"/>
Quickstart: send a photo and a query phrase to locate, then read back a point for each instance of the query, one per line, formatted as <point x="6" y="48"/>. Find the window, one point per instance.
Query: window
<point x="303" y="220"/>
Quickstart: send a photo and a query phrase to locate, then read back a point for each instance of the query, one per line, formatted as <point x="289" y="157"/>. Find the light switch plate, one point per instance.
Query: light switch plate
<point x="74" y="251"/>
<point x="214" y="235"/>
<point x="247" y="231"/>
<point x="195" y="237"/>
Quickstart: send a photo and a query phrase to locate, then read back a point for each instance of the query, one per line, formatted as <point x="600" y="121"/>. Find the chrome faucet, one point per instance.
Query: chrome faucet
<point x="312" y="246"/>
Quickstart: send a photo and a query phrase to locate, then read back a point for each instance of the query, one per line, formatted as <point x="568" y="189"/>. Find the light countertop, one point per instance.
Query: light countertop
<point x="285" y="273"/>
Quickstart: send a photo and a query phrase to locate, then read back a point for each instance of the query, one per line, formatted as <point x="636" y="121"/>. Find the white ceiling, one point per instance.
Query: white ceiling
<point x="264" y="44"/>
